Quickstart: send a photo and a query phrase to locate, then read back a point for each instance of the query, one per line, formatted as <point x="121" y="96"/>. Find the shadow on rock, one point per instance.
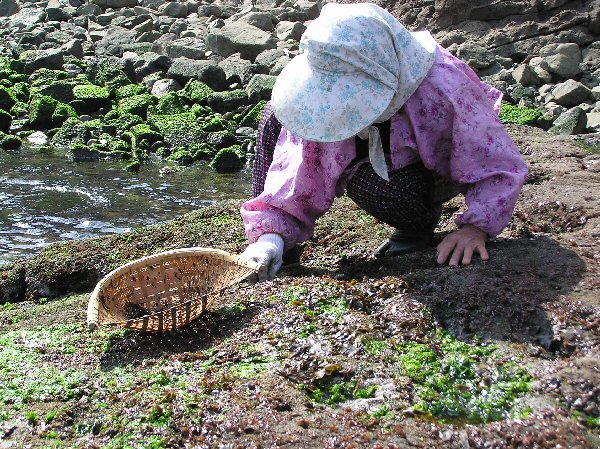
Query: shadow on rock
<point x="199" y="335"/>
<point x="501" y="299"/>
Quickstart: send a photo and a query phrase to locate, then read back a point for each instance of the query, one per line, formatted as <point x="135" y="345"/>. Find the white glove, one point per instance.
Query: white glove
<point x="267" y="251"/>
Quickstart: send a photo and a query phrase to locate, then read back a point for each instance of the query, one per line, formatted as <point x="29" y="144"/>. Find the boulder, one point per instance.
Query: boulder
<point x="262" y="20"/>
<point x="173" y="9"/>
<point x="217" y="10"/>
<point x="114" y="39"/>
<point x="476" y="55"/>
<point x="187" y="47"/>
<point x="149" y="63"/>
<point x="74" y="48"/>
<point x="290" y="30"/>
<point x="160" y="88"/>
<point x="88" y="9"/>
<point x="240" y="37"/>
<point x="56" y="12"/>
<point x="572" y="121"/>
<point x="593" y="122"/>
<point x="184" y="69"/>
<point x="260" y="87"/>
<point x="570" y="93"/>
<point x="526" y="76"/>
<point x="237" y="70"/>
<point x="8" y="8"/>
<point x="116" y="4"/>
<point x="48" y="59"/>
<point x="227" y="101"/>
<point x="27" y="17"/>
<point x="562" y="59"/>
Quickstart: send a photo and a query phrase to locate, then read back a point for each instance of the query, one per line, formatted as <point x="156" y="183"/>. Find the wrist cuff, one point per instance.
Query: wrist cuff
<point x="274" y="239"/>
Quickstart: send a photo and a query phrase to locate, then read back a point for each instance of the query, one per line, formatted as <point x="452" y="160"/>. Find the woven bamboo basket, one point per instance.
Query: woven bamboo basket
<point x="165" y="291"/>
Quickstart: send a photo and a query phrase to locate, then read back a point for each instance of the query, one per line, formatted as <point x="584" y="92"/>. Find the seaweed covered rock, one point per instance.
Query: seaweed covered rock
<point x="20" y="91"/>
<point x="129" y="91"/>
<point x="62" y="112"/>
<point x="170" y="103"/>
<point x="5" y="120"/>
<point x="260" y="87"/>
<point x="196" y="92"/>
<point x="227" y="100"/>
<point x="43" y="77"/>
<point x="7" y="98"/>
<point x="228" y="160"/>
<point x="110" y="72"/>
<point x="221" y="139"/>
<point x="178" y="130"/>
<point x="215" y="124"/>
<point x="41" y="109"/>
<point x="253" y="116"/>
<point x="122" y="121"/>
<point x="9" y="142"/>
<point x="181" y="156"/>
<point x="137" y="105"/>
<point x="72" y="131"/>
<point x="91" y="98"/>
<point x="59" y="90"/>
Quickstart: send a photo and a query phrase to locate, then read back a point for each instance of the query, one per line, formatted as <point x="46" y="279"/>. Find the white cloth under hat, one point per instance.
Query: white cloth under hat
<point x="358" y="66"/>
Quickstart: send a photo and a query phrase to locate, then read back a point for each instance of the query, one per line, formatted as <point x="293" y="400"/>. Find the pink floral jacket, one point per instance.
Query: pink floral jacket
<point x="450" y="123"/>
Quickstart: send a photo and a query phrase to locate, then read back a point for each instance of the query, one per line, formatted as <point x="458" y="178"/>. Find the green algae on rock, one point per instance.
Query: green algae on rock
<point x="228" y="160"/>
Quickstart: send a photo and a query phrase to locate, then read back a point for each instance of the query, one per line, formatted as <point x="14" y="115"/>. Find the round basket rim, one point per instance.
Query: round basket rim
<point x="94" y="302"/>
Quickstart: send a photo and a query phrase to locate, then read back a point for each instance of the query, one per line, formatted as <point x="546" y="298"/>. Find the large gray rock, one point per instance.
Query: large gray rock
<point x="27" y="17"/>
<point x="290" y="30"/>
<point x="269" y="57"/>
<point x="262" y="20"/>
<point x="541" y="69"/>
<point x="8" y="8"/>
<point x="116" y="4"/>
<point x="187" y="47"/>
<point x="570" y="93"/>
<point x="573" y="121"/>
<point x="562" y="59"/>
<point x="260" y="87"/>
<point x="237" y="70"/>
<point x="220" y="11"/>
<point x="174" y="9"/>
<point x="279" y="65"/>
<point x="593" y="122"/>
<point x="526" y="76"/>
<point x="89" y="9"/>
<point x="114" y="40"/>
<point x="476" y="55"/>
<point x="74" y="48"/>
<point x="591" y="56"/>
<point x="160" y="88"/>
<point x="149" y="63"/>
<point x="159" y="45"/>
<point x="57" y="12"/>
<point x="184" y="69"/>
<point x="240" y="37"/>
<point x="44" y="59"/>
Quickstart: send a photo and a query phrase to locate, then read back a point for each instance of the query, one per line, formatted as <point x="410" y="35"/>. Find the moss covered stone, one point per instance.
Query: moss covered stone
<point x="181" y="156"/>
<point x="72" y="131"/>
<point x="20" y="109"/>
<point x="252" y="118"/>
<point x="221" y="139"/>
<point x="7" y="98"/>
<point x="9" y="142"/>
<point x="215" y="124"/>
<point x="203" y="152"/>
<point x="228" y="100"/>
<point x="20" y="91"/>
<point x="62" y="113"/>
<point x="130" y="91"/>
<point x="41" y="109"/>
<point x="171" y="103"/>
<point x="5" y="120"/>
<point x="123" y="122"/>
<point x="91" y="97"/>
<point x="196" y="92"/>
<point x="178" y="130"/>
<point x="137" y="105"/>
<point x="43" y="77"/>
<point x="228" y="160"/>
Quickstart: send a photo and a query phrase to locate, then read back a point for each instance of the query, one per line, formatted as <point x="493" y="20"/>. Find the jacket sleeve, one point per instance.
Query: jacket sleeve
<point x="485" y="157"/>
<point x="300" y="187"/>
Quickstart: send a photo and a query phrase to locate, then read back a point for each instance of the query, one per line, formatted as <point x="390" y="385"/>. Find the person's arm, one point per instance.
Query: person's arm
<point x="485" y="157"/>
<point x="300" y="187"/>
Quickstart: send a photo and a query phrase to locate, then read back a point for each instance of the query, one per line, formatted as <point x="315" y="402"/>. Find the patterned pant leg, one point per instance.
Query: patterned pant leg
<point x="266" y="139"/>
<point x="402" y="202"/>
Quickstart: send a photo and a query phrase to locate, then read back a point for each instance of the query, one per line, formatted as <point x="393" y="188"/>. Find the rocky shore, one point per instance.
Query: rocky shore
<point x="187" y="81"/>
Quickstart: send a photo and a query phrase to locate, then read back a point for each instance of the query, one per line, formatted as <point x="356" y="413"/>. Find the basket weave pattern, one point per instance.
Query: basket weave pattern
<point x="165" y="291"/>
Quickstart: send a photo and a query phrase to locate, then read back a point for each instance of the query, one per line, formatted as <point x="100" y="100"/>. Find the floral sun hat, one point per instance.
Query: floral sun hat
<point x="358" y="65"/>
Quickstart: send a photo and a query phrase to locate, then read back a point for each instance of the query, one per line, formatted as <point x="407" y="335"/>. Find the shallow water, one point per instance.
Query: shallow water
<point x="46" y="197"/>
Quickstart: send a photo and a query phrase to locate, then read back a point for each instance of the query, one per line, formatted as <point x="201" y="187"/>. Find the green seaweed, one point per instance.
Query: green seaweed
<point x="519" y="115"/>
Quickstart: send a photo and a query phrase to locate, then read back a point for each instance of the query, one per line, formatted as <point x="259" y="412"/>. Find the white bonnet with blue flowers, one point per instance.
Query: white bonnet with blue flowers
<point x="358" y="65"/>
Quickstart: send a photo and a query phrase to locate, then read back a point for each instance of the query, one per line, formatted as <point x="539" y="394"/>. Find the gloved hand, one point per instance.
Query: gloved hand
<point x="267" y="251"/>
